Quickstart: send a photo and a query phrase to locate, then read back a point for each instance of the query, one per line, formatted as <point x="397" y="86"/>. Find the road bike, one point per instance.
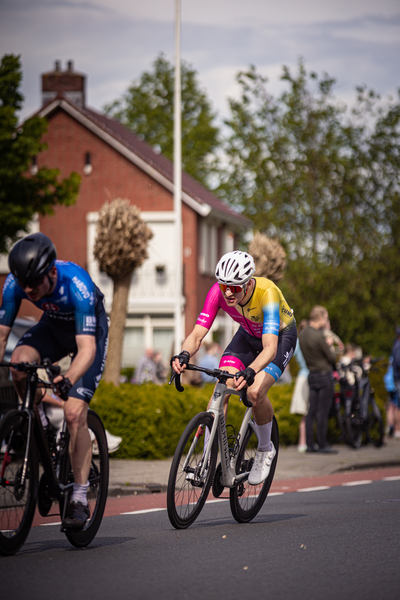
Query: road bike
<point x="194" y="471"/>
<point x="357" y="415"/>
<point x="35" y="468"/>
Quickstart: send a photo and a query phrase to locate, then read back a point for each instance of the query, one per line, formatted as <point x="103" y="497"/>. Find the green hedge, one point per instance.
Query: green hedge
<point x="151" y="418"/>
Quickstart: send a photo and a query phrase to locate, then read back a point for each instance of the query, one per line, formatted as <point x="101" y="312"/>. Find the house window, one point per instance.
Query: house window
<point x="209" y="248"/>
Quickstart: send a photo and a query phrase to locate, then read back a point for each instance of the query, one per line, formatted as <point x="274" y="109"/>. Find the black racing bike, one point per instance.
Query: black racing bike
<point x="355" y="412"/>
<point x="35" y="468"/>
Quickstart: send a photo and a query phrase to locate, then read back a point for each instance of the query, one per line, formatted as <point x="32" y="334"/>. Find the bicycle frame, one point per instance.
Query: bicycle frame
<point x="228" y="463"/>
<point x="35" y="429"/>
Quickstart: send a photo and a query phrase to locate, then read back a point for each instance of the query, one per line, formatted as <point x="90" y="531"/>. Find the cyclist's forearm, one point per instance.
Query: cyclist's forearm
<point x="193" y="341"/>
<point x="4" y="333"/>
<point x="83" y="359"/>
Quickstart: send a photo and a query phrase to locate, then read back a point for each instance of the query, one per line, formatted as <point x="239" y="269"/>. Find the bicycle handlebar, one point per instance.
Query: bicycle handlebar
<point x="219" y="374"/>
<point x="51" y="370"/>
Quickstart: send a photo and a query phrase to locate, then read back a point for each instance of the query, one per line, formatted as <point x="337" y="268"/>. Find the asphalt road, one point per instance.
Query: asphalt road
<point x="337" y="541"/>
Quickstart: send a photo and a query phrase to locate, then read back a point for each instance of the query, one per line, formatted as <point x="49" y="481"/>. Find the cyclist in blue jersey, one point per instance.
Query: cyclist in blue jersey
<point x="74" y="322"/>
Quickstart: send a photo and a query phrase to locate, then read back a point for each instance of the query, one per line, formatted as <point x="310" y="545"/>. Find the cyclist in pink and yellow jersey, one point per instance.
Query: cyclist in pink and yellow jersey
<point x="259" y="351"/>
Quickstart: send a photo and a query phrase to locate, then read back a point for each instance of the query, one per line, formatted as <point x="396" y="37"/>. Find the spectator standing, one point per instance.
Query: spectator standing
<point x="161" y="368"/>
<point x="393" y="400"/>
<point x="320" y="361"/>
<point x="146" y="370"/>
<point x="210" y="360"/>
<point x="301" y="392"/>
<point x="396" y="367"/>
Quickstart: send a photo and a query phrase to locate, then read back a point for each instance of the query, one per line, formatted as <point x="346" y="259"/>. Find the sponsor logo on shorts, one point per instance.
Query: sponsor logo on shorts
<point x="288" y="356"/>
<point x="85" y="392"/>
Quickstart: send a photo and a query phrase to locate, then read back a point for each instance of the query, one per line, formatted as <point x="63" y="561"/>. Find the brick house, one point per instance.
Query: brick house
<point x="114" y="162"/>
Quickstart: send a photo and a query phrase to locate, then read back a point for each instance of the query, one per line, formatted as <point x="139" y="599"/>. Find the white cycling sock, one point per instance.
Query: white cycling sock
<point x="79" y="493"/>
<point x="264" y="437"/>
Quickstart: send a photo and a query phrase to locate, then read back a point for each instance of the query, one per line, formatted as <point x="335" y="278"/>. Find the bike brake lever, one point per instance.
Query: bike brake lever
<point x="177" y="379"/>
<point x="51" y="370"/>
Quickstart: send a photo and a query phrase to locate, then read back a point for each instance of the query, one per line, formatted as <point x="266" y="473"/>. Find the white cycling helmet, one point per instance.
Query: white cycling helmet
<point x="235" y="268"/>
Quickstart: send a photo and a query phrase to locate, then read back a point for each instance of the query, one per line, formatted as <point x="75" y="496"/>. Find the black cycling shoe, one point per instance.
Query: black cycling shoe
<point x="77" y="515"/>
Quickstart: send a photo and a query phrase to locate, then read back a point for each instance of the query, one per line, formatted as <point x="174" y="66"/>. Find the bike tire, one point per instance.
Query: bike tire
<point x="354" y="427"/>
<point x="98" y="484"/>
<point x="17" y="505"/>
<point x="375" y="427"/>
<point x="186" y="497"/>
<point x="247" y="500"/>
<point x="336" y="431"/>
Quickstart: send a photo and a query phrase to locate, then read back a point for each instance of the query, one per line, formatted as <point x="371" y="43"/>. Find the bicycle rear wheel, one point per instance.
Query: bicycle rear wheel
<point x="354" y="426"/>
<point x="187" y="490"/>
<point x="375" y="428"/>
<point x="17" y="499"/>
<point x="98" y="483"/>
<point x="246" y="500"/>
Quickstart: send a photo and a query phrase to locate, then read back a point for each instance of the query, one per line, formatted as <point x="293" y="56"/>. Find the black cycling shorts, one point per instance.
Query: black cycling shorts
<point x="244" y="348"/>
<point x="54" y="343"/>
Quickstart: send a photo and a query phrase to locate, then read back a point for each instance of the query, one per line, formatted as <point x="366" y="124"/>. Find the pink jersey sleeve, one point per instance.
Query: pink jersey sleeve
<point x="210" y="308"/>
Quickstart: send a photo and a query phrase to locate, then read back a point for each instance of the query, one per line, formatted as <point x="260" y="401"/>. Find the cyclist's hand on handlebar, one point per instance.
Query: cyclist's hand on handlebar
<point x="180" y="361"/>
<point x="244" y="378"/>
<point x="61" y="387"/>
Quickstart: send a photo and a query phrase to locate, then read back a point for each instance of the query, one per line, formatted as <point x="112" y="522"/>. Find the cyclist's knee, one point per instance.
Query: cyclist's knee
<point x="75" y="413"/>
<point x="23" y="354"/>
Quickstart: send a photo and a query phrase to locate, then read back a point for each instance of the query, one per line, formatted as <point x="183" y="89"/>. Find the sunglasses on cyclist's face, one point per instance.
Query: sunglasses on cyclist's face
<point x="234" y="289"/>
<point x="32" y="283"/>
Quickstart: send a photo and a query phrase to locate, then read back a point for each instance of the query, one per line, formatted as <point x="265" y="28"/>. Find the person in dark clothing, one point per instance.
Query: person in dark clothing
<point x="396" y="366"/>
<point x="320" y="361"/>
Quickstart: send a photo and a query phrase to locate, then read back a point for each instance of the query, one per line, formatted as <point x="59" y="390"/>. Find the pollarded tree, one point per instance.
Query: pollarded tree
<point x="120" y="247"/>
<point x="269" y="257"/>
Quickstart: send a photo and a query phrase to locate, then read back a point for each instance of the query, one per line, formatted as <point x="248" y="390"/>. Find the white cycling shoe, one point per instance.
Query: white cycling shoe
<point x="261" y="466"/>
<point x="113" y="442"/>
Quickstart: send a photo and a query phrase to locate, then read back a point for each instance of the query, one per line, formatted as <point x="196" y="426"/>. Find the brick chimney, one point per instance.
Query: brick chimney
<point x="67" y="83"/>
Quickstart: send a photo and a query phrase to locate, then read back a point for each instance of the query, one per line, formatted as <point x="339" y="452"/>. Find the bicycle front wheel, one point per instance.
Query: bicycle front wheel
<point x="246" y="500"/>
<point x="354" y="427"/>
<point x="187" y="488"/>
<point x="375" y="429"/>
<point x="18" y="490"/>
<point x="98" y="483"/>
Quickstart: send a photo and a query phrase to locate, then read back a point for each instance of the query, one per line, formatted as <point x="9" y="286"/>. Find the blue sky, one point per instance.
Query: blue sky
<point x="114" y="41"/>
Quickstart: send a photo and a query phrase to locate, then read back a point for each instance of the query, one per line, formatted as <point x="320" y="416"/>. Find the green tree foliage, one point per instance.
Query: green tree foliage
<point x="325" y="182"/>
<point x="148" y="109"/>
<point x="22" y="195"/>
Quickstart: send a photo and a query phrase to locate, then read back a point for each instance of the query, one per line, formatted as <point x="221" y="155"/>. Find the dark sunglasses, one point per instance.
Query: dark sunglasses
<point x="31" y="283"/>
<point x="234" y="289"/>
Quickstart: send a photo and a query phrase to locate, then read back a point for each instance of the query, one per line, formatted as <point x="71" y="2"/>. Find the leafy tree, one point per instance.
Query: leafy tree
<point x="120" y="247"/>
<point x="148" y="109"/>
<point x="22" y="195"/>
<point x="325" y="182"/>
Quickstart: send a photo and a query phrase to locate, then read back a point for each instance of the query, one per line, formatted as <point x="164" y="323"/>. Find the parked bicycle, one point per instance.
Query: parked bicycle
<point x="36" y="468"/>
<point x="357" y="415"/>
<point x="194" y="471"/>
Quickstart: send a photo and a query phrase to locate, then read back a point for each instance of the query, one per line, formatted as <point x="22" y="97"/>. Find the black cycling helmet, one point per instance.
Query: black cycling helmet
<point x="31" y="258"/>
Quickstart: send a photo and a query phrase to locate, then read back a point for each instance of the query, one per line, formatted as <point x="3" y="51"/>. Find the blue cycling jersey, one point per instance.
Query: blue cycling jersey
<point x="73" y="305"/>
